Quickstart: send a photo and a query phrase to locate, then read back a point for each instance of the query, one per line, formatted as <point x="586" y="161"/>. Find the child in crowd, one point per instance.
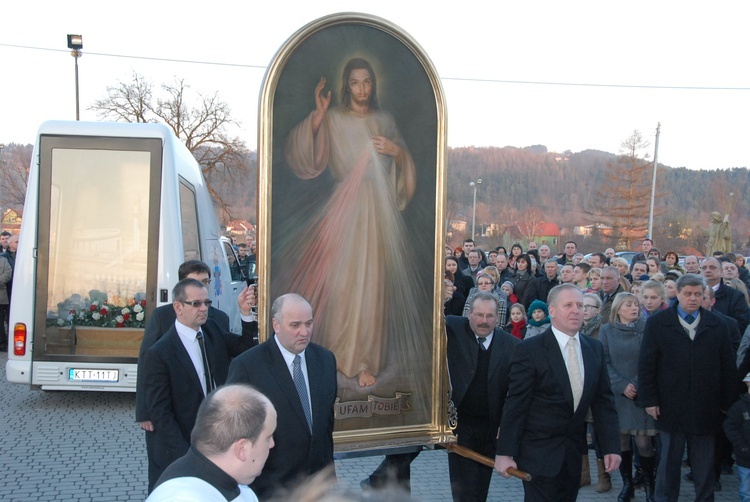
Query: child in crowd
<point x="539" y="320"/>
<point x="737" y="427"/>
<point x="507" y="287"/>
<point x="517" y="324"/>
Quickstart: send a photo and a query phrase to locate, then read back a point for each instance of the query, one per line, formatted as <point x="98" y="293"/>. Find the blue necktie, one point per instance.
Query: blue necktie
<point x="299" y="382"/>
<point x="689" y="319"/>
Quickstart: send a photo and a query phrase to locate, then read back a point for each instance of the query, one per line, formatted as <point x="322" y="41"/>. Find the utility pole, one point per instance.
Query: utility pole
<point x="653" y="184"/>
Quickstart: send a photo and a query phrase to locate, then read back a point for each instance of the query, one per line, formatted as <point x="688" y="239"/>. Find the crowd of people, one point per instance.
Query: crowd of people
<point x="674" y="338"/>
<point x="541" y="349"/>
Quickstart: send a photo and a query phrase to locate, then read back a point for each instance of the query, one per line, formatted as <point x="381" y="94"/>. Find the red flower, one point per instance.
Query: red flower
<point x="143" y="303"/>
<point x="92" y="308"/>
<point x="120" y="325"/>
<point x="104" y="311"/>
<point x="71" y="311"/>
<point x="126" y="317"/>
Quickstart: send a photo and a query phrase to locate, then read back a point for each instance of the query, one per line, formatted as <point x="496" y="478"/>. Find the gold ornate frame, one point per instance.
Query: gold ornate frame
<point x="371" y="30"/>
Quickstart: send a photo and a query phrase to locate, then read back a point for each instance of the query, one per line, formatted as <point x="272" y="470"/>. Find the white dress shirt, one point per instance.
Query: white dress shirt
<point x="289" y="360"/>
<point x="188" y="337"/>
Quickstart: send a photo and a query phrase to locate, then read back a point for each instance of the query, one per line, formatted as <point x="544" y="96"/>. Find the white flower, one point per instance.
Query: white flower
<point x="137" y="308"/>
<point x="96" y="316"/>
<point x="140" y="315"/>
<point x="125" y="311"/>
<point x="60" y="322"/>
<point x="95" y="303"/>
<point x="119" y="318"/>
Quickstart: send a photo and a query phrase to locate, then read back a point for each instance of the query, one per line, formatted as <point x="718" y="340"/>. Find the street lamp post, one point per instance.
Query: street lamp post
<point x="75" y="44"/>
<point x="474" y="185"/>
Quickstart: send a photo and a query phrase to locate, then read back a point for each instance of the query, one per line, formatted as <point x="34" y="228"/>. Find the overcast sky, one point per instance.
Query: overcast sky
<point x="505" y="66"/>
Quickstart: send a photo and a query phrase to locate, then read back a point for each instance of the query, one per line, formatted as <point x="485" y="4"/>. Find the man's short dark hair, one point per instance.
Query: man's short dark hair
<point x="228" y="414"/>
<point x="242" y="245"/>
<point x="192" y="267"/>
<point x="178" y="292"/>
<point x="584" y="266"/>
<point x="602" y="257"/>
<point x="5" y="233"/>
<point x="468" y="240"/>
<point x="725" y="259"/>
<point x="478" y="252"/>
<point x="571" y="242"/>
<point x="632" y="265"/>
<point x="649" y="240"/>
<point x="690" y="280"/>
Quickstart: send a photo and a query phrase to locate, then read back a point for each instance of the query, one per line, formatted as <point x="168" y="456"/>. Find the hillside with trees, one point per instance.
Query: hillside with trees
<point x="522" y="184"/>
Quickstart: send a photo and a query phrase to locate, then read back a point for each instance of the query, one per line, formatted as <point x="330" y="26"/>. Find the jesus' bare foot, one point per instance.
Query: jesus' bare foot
<point x="366" y="379"/>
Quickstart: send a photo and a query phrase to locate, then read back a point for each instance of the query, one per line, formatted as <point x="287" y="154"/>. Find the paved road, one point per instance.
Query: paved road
<point x="83" y="446"/>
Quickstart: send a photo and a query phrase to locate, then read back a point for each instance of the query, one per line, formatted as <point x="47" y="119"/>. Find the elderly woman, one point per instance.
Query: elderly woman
<point x="621" y="339"/>
<point x="486" y="283"/>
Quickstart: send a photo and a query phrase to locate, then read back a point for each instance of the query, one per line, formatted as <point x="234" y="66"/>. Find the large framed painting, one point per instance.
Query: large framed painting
<point x="351" y="156"/>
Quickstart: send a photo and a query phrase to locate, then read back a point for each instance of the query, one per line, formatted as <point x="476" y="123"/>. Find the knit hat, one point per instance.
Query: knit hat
<point x="509" y="284"/>
<point x="538" y="305"/>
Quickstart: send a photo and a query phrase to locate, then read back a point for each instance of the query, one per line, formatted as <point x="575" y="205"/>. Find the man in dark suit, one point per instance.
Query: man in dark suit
<point x="554" y="379"/>
<point x="542" y="285"/>
<point x="182" y="367"/>
<point x="161" y="320"/>
<point x="299" y="378"/>
<point x="686" y="374"/>
<point x="610" y="287"/>
<point x="729" y="301"/>
<point x="479" y="362"/>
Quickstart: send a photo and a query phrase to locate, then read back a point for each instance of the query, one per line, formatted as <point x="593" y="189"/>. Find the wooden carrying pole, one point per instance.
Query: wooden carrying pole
<point x="471" y="454"/>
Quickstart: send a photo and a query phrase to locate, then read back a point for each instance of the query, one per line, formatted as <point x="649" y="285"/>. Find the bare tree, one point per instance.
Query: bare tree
<point x="625" y="195"/>
<point x="203" y="128"/>
<point x="15" y="160"/>
<point x="530" y="223"/>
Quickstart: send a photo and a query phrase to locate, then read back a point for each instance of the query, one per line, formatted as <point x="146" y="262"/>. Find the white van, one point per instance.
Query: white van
<point x="112" y="210"/>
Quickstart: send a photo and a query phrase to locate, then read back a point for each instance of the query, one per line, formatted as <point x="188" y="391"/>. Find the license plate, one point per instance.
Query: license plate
<point x="91" y="375"/>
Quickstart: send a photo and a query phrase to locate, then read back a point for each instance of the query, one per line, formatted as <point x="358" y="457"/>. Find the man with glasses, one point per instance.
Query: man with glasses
<point x="162" y="319"/>
<point x="182" y="367"/>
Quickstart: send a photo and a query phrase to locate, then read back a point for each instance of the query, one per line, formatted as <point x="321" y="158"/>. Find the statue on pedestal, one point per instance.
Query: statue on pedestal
<point x="719" y="234"/>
